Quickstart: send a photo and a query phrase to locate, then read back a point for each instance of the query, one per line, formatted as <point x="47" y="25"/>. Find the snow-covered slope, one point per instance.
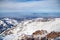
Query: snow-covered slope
<point x="2" y="23"/>
<point x="30" y="26"/>
<point x="10" y="21"/>
<point x="2" y="26"/>
<point x="6" y="23"/>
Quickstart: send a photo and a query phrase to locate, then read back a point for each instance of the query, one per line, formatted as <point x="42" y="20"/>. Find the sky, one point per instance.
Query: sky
<point x="25" y="8"/>
<point x="29" y="6"/>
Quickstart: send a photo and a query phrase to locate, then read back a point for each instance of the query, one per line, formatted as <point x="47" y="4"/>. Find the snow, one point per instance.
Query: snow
<point x="11" y="21"/>
<point x="30" y="26"/>
<point x="6" y="23"/>
<point x="2" y="23"/>
<point x="11" y="37"/>
<point x="33" y="26"/>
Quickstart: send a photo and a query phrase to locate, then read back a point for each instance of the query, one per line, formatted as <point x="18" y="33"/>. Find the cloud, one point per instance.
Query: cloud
<point x="36" y="6"/>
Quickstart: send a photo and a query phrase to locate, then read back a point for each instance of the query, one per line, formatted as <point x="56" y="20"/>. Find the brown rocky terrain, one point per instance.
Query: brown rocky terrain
<point x="53" y="35"/>
<point x="38" y="35"/>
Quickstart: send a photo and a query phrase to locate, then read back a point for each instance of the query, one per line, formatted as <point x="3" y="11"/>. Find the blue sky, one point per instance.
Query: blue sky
<point x="20" y="0"/>
<point x="29" y="6"/>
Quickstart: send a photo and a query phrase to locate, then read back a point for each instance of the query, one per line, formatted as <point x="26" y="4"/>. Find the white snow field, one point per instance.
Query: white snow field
<point x="30" y="26"/>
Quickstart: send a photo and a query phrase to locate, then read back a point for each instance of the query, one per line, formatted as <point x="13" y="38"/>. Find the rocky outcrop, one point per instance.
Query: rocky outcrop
<point x="53" y="35"/>
<point x="37" y="35"/>
<point x="40" y="35"/>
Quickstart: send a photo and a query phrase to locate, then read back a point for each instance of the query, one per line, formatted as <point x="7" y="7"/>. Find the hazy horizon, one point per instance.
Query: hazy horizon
<point x="29" y="7"/>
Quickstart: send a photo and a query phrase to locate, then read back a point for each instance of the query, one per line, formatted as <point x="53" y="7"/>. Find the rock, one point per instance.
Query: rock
<point x="39" y="34"/>
<point x="53" y="35"/>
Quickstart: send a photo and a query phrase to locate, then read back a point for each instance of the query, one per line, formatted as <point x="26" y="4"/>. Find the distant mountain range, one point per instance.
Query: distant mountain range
<point x="25" y="15"/>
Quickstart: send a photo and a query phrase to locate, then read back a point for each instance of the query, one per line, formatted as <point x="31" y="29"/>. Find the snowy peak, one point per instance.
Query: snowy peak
<point x="29" y="27"/>
<point x="6" y="23"/>
<point x="2" y="23"/>
<point x="10" y="21"/>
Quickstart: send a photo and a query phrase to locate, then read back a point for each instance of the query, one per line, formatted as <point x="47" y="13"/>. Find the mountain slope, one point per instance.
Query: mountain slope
<point x="6" y="23"/>
<point x="30" y="26"/>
